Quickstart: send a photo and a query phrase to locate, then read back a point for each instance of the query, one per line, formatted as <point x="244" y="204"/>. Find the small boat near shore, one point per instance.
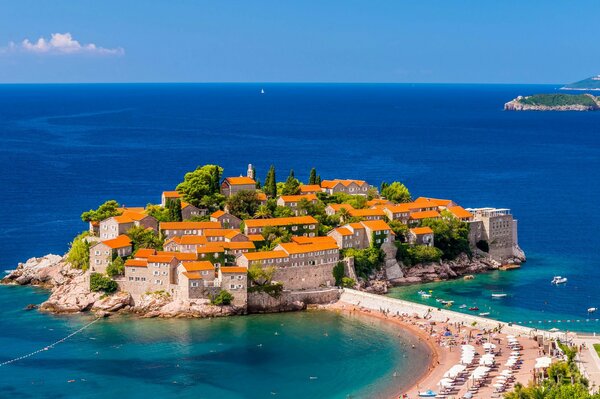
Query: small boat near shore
<point x="592" y="310"/>
<point x="499" y="295"/>
<point x="473" y="308"/>
<point x="484" y="314"/>
<point x="558" y="280"/>
<point x="462" y="306"/>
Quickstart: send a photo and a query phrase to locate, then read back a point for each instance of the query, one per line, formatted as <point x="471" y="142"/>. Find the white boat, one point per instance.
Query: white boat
<point x="592" y="310"/>
<point x="262" y="91"/>
<point x="484" y="314"/>
<point x="559" y="280"/>
<point x="425" y="296"/>
<point x="498" y="295"/>
<point x="462" y="306"/>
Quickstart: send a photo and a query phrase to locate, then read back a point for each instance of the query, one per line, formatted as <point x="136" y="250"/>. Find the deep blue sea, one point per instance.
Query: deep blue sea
<point x="67" y="148"/>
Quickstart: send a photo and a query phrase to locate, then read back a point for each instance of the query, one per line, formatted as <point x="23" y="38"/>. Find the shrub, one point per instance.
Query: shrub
<point x="275" y="290"/>
<point x="348" y="282"/>
<point x="338" y="273"/>
<point x="116" y="267"/>
<point x="79" y="253"/>
<point x="223" y="298"/>
<point x="99" y="282"/>
<point x="366" y="261"/>
<point x="423" y="254"/>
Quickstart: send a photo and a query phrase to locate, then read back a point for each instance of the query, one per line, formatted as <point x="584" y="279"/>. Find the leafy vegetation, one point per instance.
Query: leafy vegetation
<point x="274" y="290"/>
<point x="243" y="204"/>
<point x="275" y="235"/>
<point x="348" y="282"/>
<point x="366" y="261"/>
<point x="104" y="211"/>
<point x="79" y="252"/>
<point x="338" y="273"/>
<point x="451" y="235"/>
<point x="201" y="187"/>
<point x="597" y="348"/>
<point x="412" y="255"/>
<point x="222" y="298"/>
<point x="170" y="213"/>
<point x="99" y="282"/>
<point x="587" y="84"/>
<point x="557" y="100"/>
<point x="144" y="238"/>
<point x="270" y="186"/>
<point x="259" y="275"/>
<point x="116" y="267"/>
<point x="395" y="192"/>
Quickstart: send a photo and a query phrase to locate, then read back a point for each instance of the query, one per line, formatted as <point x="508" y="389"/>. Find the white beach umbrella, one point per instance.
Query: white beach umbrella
<point x="498" y="385"/>
<point x="506" y="372"/>
<point x="489" y="345"/>
<point x="468" y="347"/>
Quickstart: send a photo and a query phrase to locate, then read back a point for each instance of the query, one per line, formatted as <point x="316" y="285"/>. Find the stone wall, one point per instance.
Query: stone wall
<point x="290" y="300"/>
<point x="306" y="277"/>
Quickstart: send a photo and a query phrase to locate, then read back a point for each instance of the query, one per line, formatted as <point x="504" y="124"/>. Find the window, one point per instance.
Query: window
<point x="97" y="261"/>
<point x="130" y="278"/>
<point x="194" y="284"/>
<point x="240" y="277"/>
<point x="156" y="273"/>
<point x="204" y="272"/>
<point x="97" y="252"/>
<point x="232" y="286"/>
<point x="231" y="277"/>
<point x="294" y="228"/>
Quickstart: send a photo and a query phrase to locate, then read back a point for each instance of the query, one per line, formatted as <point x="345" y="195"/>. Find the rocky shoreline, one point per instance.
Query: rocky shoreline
<point x="70" y="293"/>
<point x="517" y="105"/>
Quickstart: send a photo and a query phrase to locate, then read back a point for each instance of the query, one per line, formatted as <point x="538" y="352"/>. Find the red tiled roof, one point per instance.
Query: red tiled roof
<point x="425" y="215"/>
<point x="280" y="221"/>
<point x="233" y="269"/>
<point x="376" y="225"/>
<point x="460" y="212"/>
<point x="298" y="198"/>
<point x="136" y="263"/>
<point x="238" y="181"/>
<point x="198" y="266"/>
<point x="189" y="225"/>
<point x="421" y="230"/>
<point x="265" y="255"/>
<point x="144" y="253"/>
<point x="160" y="258"/>
<point x="121" y="241"/>
<point x="171" y="194"/>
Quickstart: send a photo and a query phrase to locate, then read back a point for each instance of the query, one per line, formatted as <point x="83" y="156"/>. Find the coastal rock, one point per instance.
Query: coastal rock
<point x="112" y="303"/>
<point x="518" y="104"/>
<point x="162" y="305"/>
<point x="445" y="270"/>
<point x="72" y="296"/>
<point x="46" y="271"/>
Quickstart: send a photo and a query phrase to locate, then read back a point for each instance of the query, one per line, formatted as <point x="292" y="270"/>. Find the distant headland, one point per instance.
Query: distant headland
<point x="554" y="102"/>
<point x="592" y="83"/>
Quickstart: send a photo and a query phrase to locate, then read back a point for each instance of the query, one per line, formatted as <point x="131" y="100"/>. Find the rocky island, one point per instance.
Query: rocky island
<point x="219" y="247"/>
<point x="554" y="102"/>
<point x="592" y="83"/>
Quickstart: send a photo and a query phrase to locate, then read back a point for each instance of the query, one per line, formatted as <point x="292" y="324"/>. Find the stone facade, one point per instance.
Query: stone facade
<point x="235" y="281"/>
<point x="352" y="187"/>
<point x="227" y="220"/>
<point x="233" y="185"/>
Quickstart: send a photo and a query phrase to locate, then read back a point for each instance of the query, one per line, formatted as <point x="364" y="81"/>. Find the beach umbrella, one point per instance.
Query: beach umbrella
<point x="506" y="372"/>
<point x="489" y="345"/>
<point x="554" y="329"/>
<point x="498" y="385"/>
<point x="468" y="347"/>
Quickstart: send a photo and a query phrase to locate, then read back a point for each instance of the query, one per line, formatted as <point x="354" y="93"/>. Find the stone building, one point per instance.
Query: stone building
<point x="227" y="220"/>
<point x="293" y="202"/>
<point x="362" y="235"/>
<point x="499" y="230"/>
<point x="297" y="225"/>
<point x="233" y="185"/>
<point x="103" y="252"/>
<point x="234" y="279"/>
<point x="352" y="187"/>
<point x="172" y="229"/>
<point x="421" y="236"/>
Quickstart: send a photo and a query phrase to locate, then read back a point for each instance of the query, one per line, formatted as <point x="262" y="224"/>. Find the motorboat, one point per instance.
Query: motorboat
<point x="592" y="310"/>
<point x="426" y="296"/>
<point x="499" y="295"/>
<point x="427" y="394"/>
<point x="484" y="314"/>
<point x="473" y="308"/>
<point x="462" y="306"/>
<point x="558" y="280"/>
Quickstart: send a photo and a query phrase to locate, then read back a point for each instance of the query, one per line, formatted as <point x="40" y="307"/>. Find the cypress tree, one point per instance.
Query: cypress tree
<point x="313" y="176"/>
<point x="291" y="174"/>
<point x="258" y="184"/>
<point x="271" y="183"/>
<point x="318" y="181"/>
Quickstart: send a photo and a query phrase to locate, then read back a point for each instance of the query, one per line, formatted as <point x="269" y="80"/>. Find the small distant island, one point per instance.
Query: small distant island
<point x="592" y="83"/>
<point x="554" y="102"/>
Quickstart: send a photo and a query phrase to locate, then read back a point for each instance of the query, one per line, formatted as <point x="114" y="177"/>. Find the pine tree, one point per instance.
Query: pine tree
<point x="313" y="177"/>
<point x="253" y="172"/>
<point x="258" y="184"/>
<point x="318" y="181"/>
<point x="291" y="174"/>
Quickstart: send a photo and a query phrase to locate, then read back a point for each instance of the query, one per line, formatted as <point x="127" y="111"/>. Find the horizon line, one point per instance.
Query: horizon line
<point x="277" y="83"/>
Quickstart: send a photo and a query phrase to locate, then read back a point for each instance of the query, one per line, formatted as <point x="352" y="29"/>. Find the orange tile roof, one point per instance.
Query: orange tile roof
<point x="180" y="256"/>
<point x="256" y="237"/>
<point x="122" y="219"/>
<point x="280" y="221"/>
<point x="343" y="231"/>
<point x="136" y="263"/>
<point x="310" y="240"/>
<point x="310" y="188"/>
<point x="434" y="201"/>
<point x="144" y="252"/>
<point x="217" y="214"/>
<point x="211" y="248"/>
<point x="398" y="208"/>
<point x="233" y="269"/>
<point x="421" y="230"/>
<point x="171" y="194"/>
<point x="251" y="256"/>
<point x="378" y="201"/>
<point x="366" y="212"/>
<point x="355" y="226"/>
<point x="239" y="245"/>
<point x="189" y="225"/>
<point x="337" y="207"/>
<point x="198" y="266"/>
<point x="137" y="209"/>
<point x="227" y="233"/>
<point x="160" y="258"/>
<point x="242" y="180"/>
<point x="121" y="241"/>
<point x="192" y="275"/>
<point x="425" y="215"/>
<point x="376" y="225"/>
<point x="295" y="248"/>
<point x="344" y="182"/>
<point x="298" y="198"/>
<point x="460" y="212"/>
<point x="188" y="240"/>
<point x="185" y="205"/>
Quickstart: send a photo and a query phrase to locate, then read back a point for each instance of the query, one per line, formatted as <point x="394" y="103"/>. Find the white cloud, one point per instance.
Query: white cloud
<point x="60" y="44"/>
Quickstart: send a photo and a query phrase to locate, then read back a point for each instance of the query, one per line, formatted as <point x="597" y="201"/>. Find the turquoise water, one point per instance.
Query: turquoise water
<point x="238" y="357"/>
<point x="531" y="300"/>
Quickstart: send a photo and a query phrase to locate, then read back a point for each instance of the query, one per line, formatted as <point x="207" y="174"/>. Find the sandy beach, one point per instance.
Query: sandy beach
<point x="444" y="338"/>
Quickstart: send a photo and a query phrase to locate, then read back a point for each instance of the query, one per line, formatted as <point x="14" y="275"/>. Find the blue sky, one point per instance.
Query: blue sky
<point x="299" y="41"/>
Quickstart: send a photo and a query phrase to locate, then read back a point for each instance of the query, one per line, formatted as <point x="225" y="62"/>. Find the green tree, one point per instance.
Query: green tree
<point x="338" y="273"/>
<point x="396" y="192"/>
<point x="451" y="235"/>
<point x="99" y="282"/>
<point x="79" y="252"/>
<point x="275" y="235"/>
<point x="144" y="238"/>
<point x="292" y="185"/>
<point x="174" y="210"/>
<point x="263" y="212"/>
<point x="116" y="267"/>
<point x="259" y="275"/>
<point x="283" y="212"/>
<point x="201" y="187"/>
<point x="223" y="298"/>
<point x="318" y="181"/>
<point x="348" y="282"/>
<point x="312" y="179"/>
<point x="366" y="261"/>
<point x="104" y="211"/>
<point x="271" y="183"/>
<point x="399" y="229"/>
<point x="158" y="212"/>
<point x="258" y="186"/>
<point x="244" y="204"/>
